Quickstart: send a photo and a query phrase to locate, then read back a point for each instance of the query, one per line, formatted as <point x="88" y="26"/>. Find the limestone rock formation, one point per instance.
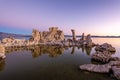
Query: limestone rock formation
<point x="73" y="34"/>
<point x="86" y="40"/>
<point x="89" y="42"/>
<point x="105" y="68"/>
<point x="83" y="36"/>
<point x="101" y="56"/>
<point x="103" y="53"/>
<point x="116" y="71"/>
<point x="105" y="47"/>
<point x="114" y="63"/>
<point x="36" y="36"/>
<point x="88" y="37"/>
<point x="8" y="40"/>
<point x="54" y="34"/>
<point x="115" y="59"/>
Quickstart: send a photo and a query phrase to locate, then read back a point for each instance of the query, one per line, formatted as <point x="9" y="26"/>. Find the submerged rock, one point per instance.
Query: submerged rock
<point x="96" y="68"/>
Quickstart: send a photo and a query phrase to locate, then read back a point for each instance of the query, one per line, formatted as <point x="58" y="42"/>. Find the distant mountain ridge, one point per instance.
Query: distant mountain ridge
<point x="5" y="35"/>
<point x="96" y="36"/>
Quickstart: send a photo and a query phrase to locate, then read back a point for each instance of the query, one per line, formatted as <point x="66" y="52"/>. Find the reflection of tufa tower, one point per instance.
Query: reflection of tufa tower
<point x="73" y="34"/>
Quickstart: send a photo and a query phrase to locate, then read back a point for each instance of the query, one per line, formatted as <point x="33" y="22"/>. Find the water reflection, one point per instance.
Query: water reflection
<point x="73" y="50"/>
<point x="2" y="65"/>
<point x="88" y="50"/>
<point x="52" y="51"/>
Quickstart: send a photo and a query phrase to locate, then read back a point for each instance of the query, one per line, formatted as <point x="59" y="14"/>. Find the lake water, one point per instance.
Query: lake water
<point x="53" y="63"/>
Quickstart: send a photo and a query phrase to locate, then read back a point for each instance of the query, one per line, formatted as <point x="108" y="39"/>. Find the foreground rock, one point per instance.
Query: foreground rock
<point x="96" y="68"/>
<point x="114" y="63"/>
<point x="105" y="47"/>
<point x="105" y="68"/>
<point x="102" y="56"/>
<point x="116" y="72"/>
<point x="115" y="59"/>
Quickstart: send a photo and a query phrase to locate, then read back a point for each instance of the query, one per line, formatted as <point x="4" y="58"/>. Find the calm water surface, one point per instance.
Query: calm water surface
<point x="52" y="63"/>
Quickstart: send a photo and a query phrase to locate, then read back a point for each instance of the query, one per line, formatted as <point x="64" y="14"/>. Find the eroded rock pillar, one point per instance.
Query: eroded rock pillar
<point x="73" y="34"/>
<point x="83" y="36"/>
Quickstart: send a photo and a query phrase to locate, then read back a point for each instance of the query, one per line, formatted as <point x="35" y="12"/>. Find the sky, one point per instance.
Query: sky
<point x="95" y="17"/>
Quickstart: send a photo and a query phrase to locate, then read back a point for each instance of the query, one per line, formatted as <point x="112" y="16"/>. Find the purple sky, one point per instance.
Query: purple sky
<point x="97" y="17"/>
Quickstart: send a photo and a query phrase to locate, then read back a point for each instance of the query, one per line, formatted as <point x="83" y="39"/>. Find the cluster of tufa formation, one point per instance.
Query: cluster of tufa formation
<point x="53" y="37"/>
<point x="83" y="41"/>
<point x="54" y="34"/>
<point x="104" y="54"/>
<point x="86" y="40"/>
<point x="105" y="47"/>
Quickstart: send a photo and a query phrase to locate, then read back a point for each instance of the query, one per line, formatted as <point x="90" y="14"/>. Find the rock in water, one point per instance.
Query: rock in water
<point x="96" y="68"/>
<point x="101" y="56"/>
<point x="89" y="41"/>
<point x="83" y="36"/>
<point x="36" y="35"/>
<point x="54" y="34"/>
<point x="73" y="34"/>
<point x="105" y="47"/>
<point x="114" y="59"/>
<point x="8" y="40"/>
<point x="114" y="63"/>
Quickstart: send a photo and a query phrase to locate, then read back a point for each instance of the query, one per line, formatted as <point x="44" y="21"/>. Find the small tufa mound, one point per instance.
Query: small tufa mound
<point x="102" y="56"/>
<point x="96" y="68"/>
<point x="105" y="47"/>
<point x="7" y="40"/>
